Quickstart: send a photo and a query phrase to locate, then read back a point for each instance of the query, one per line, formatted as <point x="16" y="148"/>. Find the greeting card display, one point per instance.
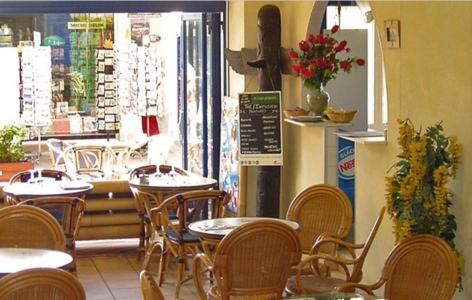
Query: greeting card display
<point x="36" y="79"/>
<point x="139" y="80"/>
<point x="107" y="117"/>
<point x="126" y="76"/>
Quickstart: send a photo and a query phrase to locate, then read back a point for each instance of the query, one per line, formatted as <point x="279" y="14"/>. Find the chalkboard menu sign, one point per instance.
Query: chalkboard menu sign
<point x="260" y="136"/>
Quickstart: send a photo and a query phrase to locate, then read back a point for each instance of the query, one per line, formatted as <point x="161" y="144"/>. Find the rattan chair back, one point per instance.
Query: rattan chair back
<point x="149" y="287"/>
<point x="50" y="284"/>
<point x="51" y="174"/>
<point x="422" y="267"/>
<point x="30" y="227"/>
<point x="320" y="209"/>
<point x="89" y="159"/>
<point x="190" y="207"/>
<point x="151" y="169"/>
<point x="68" y="212"/>
<point x="255" y="260"/>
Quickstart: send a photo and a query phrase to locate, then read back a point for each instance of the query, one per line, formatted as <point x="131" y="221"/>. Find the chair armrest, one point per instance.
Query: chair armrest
<point x="200" y="260"/>
<point x="323" y="240"/>
<point x="315" y="267"/>
<point x="350" y="286"/>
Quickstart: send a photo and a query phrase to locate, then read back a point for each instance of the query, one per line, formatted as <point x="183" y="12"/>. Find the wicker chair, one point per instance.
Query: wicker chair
<point x="92" y="161"/>
<point x="190" y="207"/>
<point x="56" y="151"/>
<point x="422" y="267"/>
<point x="145" y="227"/>
<point x="68" y="212"/>
<point x="30" y="227"/>
<point x="252" y="262"/>
<point x="320" y="279"/>
<point x="154" y="234"/>
<point x="149" y="287"/>
<point x="41" y="284"/>
<point x="26" y="175"/>
<point x="53" y="174"/>
<point x="320" y="210"/>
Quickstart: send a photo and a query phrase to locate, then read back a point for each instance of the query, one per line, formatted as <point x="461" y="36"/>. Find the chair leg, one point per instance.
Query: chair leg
<point x="180" y="271"/>
<point x="142" y="237"/>
<point x="149" y="252"/>
<point x="164" y="262"/>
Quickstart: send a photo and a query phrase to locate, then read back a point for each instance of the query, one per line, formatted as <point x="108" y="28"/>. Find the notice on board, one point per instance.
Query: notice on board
<point x="260" y="130"/>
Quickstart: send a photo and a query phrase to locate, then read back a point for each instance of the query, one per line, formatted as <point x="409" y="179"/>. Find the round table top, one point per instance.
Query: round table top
<point x="219" y="228"/>
<point x="18" y="259"/>
<point x="47" y="188"/>
<point x="111" y="143"/>
<point x="177" y="183"/>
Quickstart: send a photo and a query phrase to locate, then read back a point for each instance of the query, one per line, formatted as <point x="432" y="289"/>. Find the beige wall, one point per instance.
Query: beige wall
<point x="428" y="79"/>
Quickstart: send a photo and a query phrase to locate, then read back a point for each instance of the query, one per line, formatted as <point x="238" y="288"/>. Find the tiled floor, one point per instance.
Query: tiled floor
<point x="109" y="270"/>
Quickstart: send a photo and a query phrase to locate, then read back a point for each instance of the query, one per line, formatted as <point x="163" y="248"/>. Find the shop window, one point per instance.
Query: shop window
<point x="353" y="17"/>
<point x="141" y="75"/>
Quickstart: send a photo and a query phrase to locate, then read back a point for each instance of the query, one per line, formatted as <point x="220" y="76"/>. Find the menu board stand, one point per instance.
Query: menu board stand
<point x="260" y="129"/>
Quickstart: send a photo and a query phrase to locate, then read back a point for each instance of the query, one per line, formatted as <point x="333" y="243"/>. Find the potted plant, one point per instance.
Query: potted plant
<point x="317" y="62"/>
<point x="418" y="197"/>
<point x="12" y="157"/>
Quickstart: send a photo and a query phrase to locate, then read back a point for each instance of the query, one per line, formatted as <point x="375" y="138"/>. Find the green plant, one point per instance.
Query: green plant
<point x="11" y="138"/>
<point x="418" y="198"/>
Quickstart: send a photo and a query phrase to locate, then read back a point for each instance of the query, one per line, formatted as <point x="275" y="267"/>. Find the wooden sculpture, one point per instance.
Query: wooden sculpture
<point x="268" y="62"/>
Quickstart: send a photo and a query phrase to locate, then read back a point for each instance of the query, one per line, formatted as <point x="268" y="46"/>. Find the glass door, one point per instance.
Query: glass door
<point x="200" y="92"/>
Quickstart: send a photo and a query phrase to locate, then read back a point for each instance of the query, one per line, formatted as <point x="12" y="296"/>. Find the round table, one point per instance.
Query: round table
<point x="216" y="229"/>
<point x="113" y="144"/>
<point x="18" y="259"/>
<point x="178" y="183"/>
<point x="47" y="188"/>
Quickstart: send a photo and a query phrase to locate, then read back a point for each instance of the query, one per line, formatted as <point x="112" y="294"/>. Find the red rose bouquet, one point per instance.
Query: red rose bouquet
<point x="316" y="63"/>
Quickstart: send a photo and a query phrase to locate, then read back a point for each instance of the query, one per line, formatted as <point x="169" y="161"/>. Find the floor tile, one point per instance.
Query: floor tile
<point x="110" y="271"/>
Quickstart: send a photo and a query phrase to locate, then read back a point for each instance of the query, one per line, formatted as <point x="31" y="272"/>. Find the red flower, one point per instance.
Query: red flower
<point x="345" y="65"/>
<point x="296" y="68"/>
<point x="335" y="29"/>
<point x="319" y="63"/>
<point x="303" y="45"/>
<point x="315" y="61"/>
<point x="340" y="47"/>
<point x="320" y="39"/>
<point x="311" y="38"/>
<point x="307" y="73"/>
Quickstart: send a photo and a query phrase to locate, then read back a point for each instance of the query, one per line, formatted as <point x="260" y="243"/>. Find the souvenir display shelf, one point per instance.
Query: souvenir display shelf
<point x="107" y="110"/>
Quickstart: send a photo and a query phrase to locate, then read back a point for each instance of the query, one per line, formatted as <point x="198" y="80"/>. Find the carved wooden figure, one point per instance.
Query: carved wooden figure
<point x="269" y="61"/>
